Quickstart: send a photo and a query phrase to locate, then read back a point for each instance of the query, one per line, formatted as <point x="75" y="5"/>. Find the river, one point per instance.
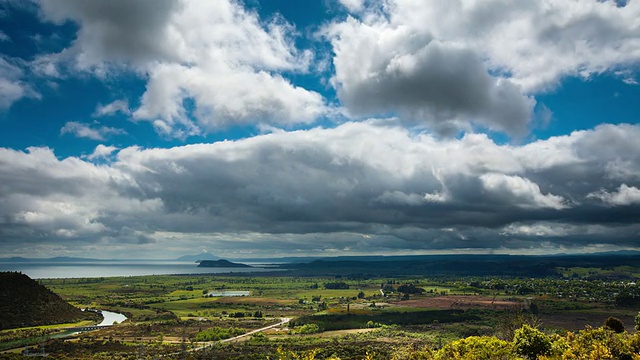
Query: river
<point x="111" y="318"/>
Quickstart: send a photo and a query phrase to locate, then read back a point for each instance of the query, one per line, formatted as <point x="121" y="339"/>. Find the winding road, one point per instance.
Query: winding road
<point x="209" y="344"/>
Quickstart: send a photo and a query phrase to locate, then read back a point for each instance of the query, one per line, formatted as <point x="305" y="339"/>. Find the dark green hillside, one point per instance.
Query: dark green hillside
<point x="24" y="302"/>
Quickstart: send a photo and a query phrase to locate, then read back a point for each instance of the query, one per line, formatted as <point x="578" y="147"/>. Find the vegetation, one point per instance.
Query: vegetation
<point x="218" y="333"/>
<point x="359" y="316"/>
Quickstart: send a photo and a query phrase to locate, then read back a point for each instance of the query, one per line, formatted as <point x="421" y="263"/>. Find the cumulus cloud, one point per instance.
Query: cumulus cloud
<point x="360" y="186"/>
<point x="457" y="63"/>
<point x="625" y="195"/>
<point x="82" y="130"/>
<point x="218" y="56"/>
<point x="118" y="106"/>
<point x="520" y="191"/>
<point x="101" y="151"/>
<point x="62" y="201"/>
<point x="352" y="5"/>
<point x="382" y="68"/>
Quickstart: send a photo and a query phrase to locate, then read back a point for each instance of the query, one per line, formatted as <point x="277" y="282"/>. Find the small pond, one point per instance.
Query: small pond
<point x="217" y="293"/>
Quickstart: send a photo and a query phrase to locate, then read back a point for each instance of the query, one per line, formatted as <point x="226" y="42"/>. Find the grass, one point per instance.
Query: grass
<point x="359" y="319"/>
<point x="55" y="326"/>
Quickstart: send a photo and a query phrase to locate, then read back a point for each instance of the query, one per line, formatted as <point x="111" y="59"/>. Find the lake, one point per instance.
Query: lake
<point x="52" y="270"/>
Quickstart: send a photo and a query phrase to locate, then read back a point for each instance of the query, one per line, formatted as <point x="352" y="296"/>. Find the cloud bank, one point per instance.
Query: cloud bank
<point x="357" y="186"/>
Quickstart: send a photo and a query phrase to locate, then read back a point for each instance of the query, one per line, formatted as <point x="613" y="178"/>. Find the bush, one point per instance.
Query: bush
<point x="531" y="342"/>
<point x="306" y="329"/>
<point x="614" y="324"/>
<point x="476" y="348"/>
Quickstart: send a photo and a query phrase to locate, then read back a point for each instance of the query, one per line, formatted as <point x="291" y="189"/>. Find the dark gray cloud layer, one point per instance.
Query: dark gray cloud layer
<point x="358" y="187"/>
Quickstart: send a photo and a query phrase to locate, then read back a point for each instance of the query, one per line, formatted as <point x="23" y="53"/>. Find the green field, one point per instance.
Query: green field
<point x="163" y="310"/>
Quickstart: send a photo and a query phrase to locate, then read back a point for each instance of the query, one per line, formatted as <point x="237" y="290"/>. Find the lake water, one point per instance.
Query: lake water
<point x="52" y="270"/>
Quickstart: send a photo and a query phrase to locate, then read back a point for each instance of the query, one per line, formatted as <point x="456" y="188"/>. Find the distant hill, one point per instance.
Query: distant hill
<point x="461" y="265"/>
<point x="222" y="264"/>
<point x="199" y="257"/>
<point x="24" y="302"/>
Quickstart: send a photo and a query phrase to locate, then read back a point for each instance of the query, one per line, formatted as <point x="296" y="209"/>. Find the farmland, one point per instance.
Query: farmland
<point x="347" y="317"/>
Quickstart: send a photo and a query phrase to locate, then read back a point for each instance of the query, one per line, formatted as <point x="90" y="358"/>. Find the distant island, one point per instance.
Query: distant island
<point x="222" y="264"/>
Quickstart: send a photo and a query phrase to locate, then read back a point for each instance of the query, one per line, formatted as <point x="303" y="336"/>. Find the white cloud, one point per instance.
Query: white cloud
<point x="540" y="230"/>
<point x="453" y="64"/>
<point x="625" y="195"/>
<point x="101" y="151"/>
<point x="81" y="130"/>
<point x="520" y="191"/>
<point x="12" y="87"/>
<point x="534" y="43"/>
<point x="117" y="106"/>
<point x="352" y="5"/>
<point x="4" y="37"/>
<point x="216" y="54"/>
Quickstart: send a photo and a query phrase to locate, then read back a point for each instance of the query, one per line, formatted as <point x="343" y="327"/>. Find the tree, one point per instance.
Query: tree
<point x="533" y="308"/>
<point x="410" y="289"/>
<point x="361" y="295"/>
<point x="637" y="321"/>
<point x="336" y="285"/>
<point x="614" y="324"/>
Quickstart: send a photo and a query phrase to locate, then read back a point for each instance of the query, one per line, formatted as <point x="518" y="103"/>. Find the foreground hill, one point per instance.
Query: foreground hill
<point x="24" y="302"/>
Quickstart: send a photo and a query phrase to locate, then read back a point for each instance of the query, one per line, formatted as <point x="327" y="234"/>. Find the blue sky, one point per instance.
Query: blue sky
<point x="323" y="127"/>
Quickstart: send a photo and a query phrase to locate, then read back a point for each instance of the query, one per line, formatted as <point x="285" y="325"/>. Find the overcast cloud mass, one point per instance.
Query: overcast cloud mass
<point x="393" y="127"/>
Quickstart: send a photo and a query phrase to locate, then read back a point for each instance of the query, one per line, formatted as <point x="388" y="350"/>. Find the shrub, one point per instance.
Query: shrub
<point x="614" y="324"/>
<point x="531" y="342"/>
<point x="306" y="329"/>
<point x="476" y="348"/>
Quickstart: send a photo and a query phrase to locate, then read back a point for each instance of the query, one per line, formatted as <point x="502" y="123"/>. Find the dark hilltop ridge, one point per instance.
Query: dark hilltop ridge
<point x="24" y="302"/>
<point x="463" y="265"/>
<point x="222" y="264"/>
